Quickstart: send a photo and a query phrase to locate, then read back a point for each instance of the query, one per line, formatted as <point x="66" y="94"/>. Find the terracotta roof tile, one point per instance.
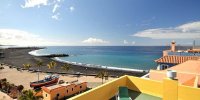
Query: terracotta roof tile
<point x="176" y="59"/>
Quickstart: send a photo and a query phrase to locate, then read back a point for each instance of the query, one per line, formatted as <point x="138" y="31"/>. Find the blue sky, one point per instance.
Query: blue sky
<point x="99" y="22"/>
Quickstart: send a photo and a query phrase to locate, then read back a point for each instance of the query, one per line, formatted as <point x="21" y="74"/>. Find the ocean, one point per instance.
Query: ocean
<point x="133" y="57"/>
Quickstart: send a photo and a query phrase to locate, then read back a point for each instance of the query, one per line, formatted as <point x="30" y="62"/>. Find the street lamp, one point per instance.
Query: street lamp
<point x="86" y="71"/>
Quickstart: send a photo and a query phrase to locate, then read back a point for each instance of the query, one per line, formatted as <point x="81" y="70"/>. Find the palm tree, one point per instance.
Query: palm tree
<point x="39" y="64"/>
<point x="27" y="66"/>
<point x="102" y="75"/>
<point x="51" y="65"/>
<point x="106" y="75"/>
<point x="66" y="67"/>
<point x="27" y="95"/>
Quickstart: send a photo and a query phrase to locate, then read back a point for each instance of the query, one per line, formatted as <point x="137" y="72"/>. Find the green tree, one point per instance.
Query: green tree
<point x="27" y="66"/>
<point x="66" y="67"/>
<point x="102" y="75"/>
<point x="51" y="64"/>
<point x="27" y="95"/>
<point x="20" y="88"/>
<point x="1" y="68"/>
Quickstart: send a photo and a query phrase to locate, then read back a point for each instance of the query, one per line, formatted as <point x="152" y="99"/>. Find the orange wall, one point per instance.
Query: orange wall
<point x="62" y="91"/>
<point x="182" y="76"/>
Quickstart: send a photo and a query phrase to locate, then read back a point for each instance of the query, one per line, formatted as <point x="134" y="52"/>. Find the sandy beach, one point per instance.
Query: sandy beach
<point x="24" y="77"/>
<point x="4" y="96"/>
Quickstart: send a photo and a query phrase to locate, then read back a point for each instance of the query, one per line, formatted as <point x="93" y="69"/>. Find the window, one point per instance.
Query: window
<point x="80" y="86"/>
<point x="46" y="95"/>
<point x="67" y="91"/>
<point x="72" y="89"/>
<point x="58" y="95"/>
<point x="164" y="66"/>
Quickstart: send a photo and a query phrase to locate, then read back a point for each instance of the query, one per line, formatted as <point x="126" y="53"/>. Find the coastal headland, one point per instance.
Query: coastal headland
<point x="18" y="56"/>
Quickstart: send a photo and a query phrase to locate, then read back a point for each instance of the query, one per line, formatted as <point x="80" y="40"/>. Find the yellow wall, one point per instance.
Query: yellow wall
<point x="145" y="86"/>
<point x="167" y="89"/>
<point x="188" y="93"/>
<point x="170" y="89"/>
<point x="103" y="92"/>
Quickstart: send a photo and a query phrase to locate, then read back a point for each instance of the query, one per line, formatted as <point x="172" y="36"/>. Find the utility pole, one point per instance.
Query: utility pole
<point x="194" y="44"/>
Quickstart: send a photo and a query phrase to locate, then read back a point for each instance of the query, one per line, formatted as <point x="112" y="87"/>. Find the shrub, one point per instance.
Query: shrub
<point x="3" y="80"/>
<point x="20" y="88"/>
<point x="27" y="95"/>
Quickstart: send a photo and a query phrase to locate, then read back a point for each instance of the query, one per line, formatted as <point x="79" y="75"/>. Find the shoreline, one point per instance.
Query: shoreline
<point x="19" y="56"/>
<point x="99" y="66"/>
<point x="34" y="53"/>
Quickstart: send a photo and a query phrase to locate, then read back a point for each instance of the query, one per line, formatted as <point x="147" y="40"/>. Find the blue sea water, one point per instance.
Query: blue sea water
<point x="135" y="57"/>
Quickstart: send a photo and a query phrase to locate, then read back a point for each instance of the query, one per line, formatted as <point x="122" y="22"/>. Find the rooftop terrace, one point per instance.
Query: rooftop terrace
<point x="188" y="73"/>
<point x="141" y="88"/>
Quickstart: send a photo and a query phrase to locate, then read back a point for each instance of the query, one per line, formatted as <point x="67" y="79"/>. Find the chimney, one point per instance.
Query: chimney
<point x="173" y="46"/>
<point x="171" y="74"/>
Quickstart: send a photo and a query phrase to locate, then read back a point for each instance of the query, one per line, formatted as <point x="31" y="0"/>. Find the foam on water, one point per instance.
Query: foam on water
<point x="97" y="66"/>
<point x="35" y="53"/>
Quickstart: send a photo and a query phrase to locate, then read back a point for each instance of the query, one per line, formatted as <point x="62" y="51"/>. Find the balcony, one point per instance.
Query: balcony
<point x="144" y="89"/>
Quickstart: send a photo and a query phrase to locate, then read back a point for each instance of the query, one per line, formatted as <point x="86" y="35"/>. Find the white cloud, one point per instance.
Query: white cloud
<point x="56" y="16"/>
<point x="95" y="41"/>
<point x="133" y="42"/>
<point x="23" y="38"/>
<point x="195" y="26"/>
<point x="125" y="42"/>
<point x="185" y="31"/>
<point x="129" y="43"/>
<point x="71" y="8"/>
<point x="33" y="3"/>
<point x="56" y="6"/>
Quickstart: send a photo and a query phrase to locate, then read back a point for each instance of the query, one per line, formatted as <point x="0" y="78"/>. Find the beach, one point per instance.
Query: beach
<point x="4" y="96"/>
<point x="24" y="77"/>
<point x="19" y="56"/>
